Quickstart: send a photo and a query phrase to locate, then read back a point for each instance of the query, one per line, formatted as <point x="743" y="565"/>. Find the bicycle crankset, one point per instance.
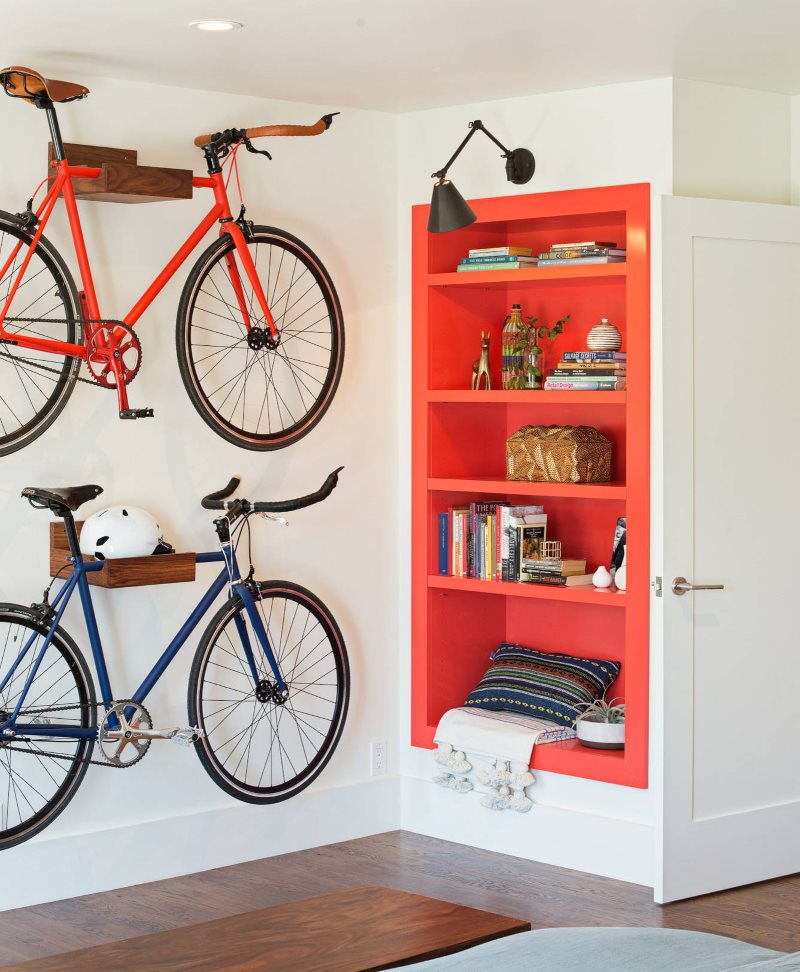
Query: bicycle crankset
<point x="128" y="724"/>
<point x="105" y="345"/>
<point x="121" y="735"/>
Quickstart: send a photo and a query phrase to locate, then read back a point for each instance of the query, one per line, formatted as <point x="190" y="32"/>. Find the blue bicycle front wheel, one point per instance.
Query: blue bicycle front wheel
<point x="257" y="744"/>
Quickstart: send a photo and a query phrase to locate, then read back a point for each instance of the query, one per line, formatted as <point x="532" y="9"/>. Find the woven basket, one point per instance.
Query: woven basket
<point x="558" y="454"/>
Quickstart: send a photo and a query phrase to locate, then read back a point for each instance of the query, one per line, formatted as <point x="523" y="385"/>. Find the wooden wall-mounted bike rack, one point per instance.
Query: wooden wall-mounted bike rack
<point x="123" y="180"/>
<point x="126" y="571"/>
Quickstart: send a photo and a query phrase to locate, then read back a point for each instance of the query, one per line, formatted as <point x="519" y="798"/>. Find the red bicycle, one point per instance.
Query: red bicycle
<point x="259" y="335"/>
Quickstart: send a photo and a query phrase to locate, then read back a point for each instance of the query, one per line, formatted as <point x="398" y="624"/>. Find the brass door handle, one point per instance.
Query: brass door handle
<point x="681" y="586"/>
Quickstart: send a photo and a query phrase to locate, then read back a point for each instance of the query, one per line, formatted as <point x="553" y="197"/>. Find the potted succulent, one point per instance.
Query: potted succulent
<point x="601" y="724"/>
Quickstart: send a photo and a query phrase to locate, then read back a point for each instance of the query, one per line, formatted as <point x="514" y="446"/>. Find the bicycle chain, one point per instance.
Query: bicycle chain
<point x="58" y="371"/>
<point x="71" y="759"/>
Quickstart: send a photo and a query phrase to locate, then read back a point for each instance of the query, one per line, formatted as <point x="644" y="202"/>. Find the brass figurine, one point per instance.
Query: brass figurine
<point x="480" y="367"/>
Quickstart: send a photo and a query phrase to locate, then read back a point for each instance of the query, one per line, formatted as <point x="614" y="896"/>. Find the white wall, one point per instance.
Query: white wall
<point x="337" y="193"/>
<point x="731" y="143"/>
<point x="593" y="137"/>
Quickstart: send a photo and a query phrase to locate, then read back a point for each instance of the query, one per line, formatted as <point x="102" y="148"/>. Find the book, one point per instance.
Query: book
<point x="500" y="259"/>
<point x="444" y="543"/>
<point x="620" y="539"/>
<point x="600" y="384"/>
<point x="527" y="544"/>
<point x="576" y="580"/>
<point x="559" y="568"/>
<point x="583" y="261"/>
<point x="581" y="251"/>
<point x="511" y="518"/>
<point x="501" y="251"/>
<point x="584" y="243"/>
<point x="595" y="356"/>
<point x="523" y="263"/>
<point x="588" y="373"/>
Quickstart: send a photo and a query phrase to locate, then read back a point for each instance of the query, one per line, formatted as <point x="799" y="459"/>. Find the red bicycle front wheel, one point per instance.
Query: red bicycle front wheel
<point x="257" y="394"/>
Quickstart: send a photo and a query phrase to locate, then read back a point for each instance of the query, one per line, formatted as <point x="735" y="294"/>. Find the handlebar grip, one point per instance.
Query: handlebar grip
<point x="202" y="140"/>
<point x="286" y="506"/>
<point x="316" y="129"/>
<point x="214" y="500"/>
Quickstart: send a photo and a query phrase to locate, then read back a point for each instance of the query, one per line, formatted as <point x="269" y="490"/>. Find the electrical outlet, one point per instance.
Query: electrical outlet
<point x="377" y="758"/>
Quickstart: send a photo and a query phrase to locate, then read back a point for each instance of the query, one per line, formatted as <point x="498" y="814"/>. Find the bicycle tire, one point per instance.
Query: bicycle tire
<point x="304" y="395"/>
<point x="211" y="746"/>
<point x="67" y="307"/>
<point x="13" y="615"/>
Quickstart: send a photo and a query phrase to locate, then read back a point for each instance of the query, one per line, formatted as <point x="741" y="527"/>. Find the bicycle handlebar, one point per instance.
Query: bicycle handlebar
<point x="263" y="130"/>
<point x="212" y="501"/>
<point x="217" y="501"/>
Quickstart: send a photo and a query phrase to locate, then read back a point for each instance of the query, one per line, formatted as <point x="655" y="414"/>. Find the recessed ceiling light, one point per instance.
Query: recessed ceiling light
<point x="216" y="25"/>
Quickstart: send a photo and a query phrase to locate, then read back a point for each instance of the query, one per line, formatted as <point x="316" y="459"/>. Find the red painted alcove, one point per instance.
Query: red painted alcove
<point x="458" y="449"/>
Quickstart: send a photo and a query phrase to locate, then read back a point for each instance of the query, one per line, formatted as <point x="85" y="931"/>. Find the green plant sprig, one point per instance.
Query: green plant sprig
<point x="600" y="710"/>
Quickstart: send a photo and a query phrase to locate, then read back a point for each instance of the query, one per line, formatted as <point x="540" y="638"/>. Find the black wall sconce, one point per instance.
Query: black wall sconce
<point x="449" y="210"/>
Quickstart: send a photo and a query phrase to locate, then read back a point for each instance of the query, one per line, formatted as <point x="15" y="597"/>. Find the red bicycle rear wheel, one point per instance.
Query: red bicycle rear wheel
<point x="256" y="395"/>
<point x="34" y="385"/>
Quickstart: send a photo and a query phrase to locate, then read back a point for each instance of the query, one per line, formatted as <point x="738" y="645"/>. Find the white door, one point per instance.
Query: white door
<point x="730" y="782"/>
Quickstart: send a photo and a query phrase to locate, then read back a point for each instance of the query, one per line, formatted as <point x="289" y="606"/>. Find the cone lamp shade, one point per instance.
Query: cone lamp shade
<point x="449" y="211"/>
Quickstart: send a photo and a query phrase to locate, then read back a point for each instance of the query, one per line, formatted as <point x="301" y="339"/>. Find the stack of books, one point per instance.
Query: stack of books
<point x="486" y="540"/>
<point x="589" y="371"/>
<point x="589" y="251"/>
<point x="499" y="258"/>
<point x="556" y="573"/>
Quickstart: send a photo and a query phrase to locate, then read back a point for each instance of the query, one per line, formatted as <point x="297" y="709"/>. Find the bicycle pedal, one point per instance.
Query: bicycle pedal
<point x="187" y="737"/>
<point x="136" y="413"/>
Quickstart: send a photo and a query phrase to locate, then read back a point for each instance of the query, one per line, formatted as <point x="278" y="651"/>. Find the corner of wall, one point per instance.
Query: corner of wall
<point x="731" y="143"/>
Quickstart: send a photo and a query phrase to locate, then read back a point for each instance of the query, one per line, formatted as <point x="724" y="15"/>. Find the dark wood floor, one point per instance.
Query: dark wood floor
<point x="766" y="914"/>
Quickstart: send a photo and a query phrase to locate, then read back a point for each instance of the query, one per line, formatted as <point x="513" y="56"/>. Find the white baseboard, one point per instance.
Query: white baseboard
<point x="582" y="841"/>
<point x="47" y="869"/>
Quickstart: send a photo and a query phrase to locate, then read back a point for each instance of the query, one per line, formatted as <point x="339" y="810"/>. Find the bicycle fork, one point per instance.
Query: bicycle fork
<point x="279" y="691"/>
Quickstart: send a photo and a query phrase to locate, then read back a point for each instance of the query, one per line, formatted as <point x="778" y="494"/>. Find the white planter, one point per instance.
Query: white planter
<point x="601" y="735"/>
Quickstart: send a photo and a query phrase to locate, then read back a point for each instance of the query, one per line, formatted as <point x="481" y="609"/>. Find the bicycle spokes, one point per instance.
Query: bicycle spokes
<point x="259" y="387"/>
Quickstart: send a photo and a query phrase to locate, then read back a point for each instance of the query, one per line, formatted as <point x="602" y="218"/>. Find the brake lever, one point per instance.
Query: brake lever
<point x="251" y="148"/>
<point x="276" y="518"/>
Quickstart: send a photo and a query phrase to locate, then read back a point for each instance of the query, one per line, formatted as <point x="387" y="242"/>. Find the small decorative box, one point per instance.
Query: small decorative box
<point x="558" y="454"/>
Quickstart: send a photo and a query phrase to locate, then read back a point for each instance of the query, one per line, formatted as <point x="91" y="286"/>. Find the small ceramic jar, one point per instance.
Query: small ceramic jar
<point x="604" y="337"/>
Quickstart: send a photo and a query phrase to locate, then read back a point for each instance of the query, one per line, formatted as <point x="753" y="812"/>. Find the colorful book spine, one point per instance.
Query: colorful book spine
<point x="444" y="543"/>
<point x="587" y="251"/>
<point x="581" y="261"/>
<point x="501" y="251"/>
<point x="583" y="245"/>
<point x="497" y="259"/>
<point x="610" y="384"/>
<point x="484" y="265"/>
<point x="595" y="356"/>
<point x="570" y="373"/>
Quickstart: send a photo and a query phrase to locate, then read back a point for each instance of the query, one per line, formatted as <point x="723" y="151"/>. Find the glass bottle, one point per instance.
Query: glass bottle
<point x="514" y="343"/>
<point x="534" y="360"/>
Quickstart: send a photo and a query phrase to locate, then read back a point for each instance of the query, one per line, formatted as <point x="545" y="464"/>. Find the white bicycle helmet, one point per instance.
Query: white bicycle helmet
<point x="122" y="531"/>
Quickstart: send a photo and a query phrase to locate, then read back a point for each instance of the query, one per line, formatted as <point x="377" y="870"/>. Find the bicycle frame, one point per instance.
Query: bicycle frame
<point x="96" y="347"/>
<point x="79" y="579"/>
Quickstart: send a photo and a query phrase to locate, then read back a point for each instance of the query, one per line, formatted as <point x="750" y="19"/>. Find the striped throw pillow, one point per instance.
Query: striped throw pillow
<point x="542" y="683"/>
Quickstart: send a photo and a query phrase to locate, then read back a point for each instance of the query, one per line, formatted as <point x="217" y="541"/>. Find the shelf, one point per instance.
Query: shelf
<point x="501" y="278"/>
<point x="569" y="758"/>
<point x="606" y="491"/>
<point x="572" y="595"/>
<point x="462" y="396"/>
<point x="573" y="759"/>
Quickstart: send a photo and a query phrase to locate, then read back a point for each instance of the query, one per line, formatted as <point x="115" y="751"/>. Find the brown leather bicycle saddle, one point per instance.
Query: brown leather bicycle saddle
<point x="61" y="498"/>
<point x="22" y="82"/>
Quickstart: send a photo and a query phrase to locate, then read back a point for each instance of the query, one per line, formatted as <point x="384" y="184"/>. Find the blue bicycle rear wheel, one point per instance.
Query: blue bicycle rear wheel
<point x="38" y="775"/>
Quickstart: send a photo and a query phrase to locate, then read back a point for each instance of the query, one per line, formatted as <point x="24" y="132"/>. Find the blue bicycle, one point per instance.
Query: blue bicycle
<point x="268" y="689"/>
